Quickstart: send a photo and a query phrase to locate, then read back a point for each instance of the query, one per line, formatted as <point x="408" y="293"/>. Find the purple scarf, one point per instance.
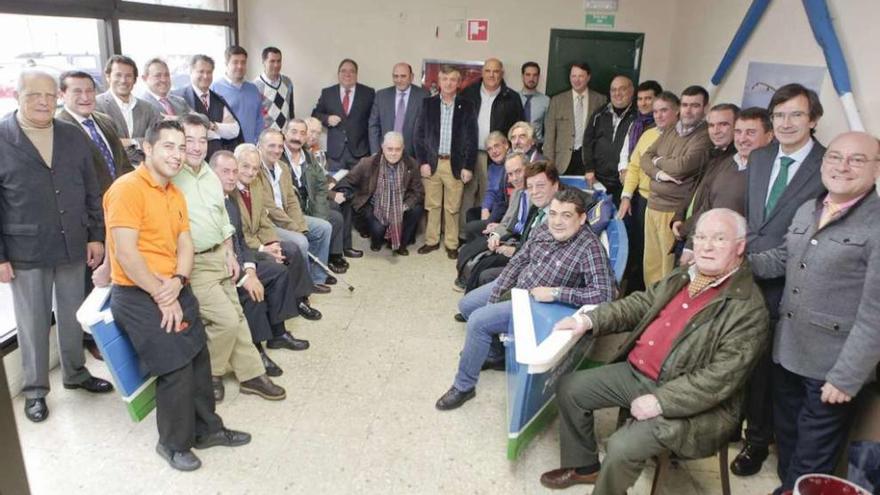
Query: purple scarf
<point x="641" y="123"/>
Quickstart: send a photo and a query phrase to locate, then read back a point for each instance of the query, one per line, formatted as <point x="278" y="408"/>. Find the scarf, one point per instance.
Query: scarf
<point x="641" y="123"/>
<point x="700" y="282"/>
<point x="388" y="207"/>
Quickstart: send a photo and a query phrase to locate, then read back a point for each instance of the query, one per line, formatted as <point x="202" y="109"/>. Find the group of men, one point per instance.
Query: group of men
<point x="747" y="295"/>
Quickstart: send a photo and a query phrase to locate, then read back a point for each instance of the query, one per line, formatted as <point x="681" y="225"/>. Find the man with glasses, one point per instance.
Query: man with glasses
<point x="826" y="345"/>
<point x="781" y="177"/>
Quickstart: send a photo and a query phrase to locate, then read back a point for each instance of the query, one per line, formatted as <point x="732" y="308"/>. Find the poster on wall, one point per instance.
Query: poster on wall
<point x="470" y="71"/>
<point x="763" y="79"/>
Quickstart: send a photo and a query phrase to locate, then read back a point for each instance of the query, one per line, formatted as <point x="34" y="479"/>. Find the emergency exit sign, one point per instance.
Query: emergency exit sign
<point x="601" y="21"/>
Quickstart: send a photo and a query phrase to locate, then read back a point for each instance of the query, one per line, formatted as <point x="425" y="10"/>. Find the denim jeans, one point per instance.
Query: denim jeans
<point x="316" y="241"/>
<point x="484" y="321"/>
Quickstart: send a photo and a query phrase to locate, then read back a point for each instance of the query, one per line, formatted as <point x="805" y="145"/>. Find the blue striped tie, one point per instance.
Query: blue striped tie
<point x="102" y="146"/>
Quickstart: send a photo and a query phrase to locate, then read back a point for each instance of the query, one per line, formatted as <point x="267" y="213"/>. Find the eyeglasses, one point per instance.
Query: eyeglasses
<point x="857" y="161"/>
<point x="717" y="240"/>
<point x="781" y="116"/>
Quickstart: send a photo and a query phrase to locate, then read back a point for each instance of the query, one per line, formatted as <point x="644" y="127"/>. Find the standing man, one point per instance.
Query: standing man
<point x="534" y="103"/>
<point x="446" y="148"/>
<point x="151" y="255"/>
<point x="644" y="120"/>
<point x="243" y="97"/>
<point x="780" y="177"/>
<point x="52" y="229"/>
<point x="605" y="135"/>
<point x="157" y="77"/>
<point x="397" y="108"/>
<point x="498" y="108"/>
<point x="215" y="271"/>
<point x="567" y="119"/>
<point x="673" y="163"/>
<point x="345" y="109"/>
<point x="131" y="115"/>
<point x="224" y="131"/>
<point x="277" y="90"/>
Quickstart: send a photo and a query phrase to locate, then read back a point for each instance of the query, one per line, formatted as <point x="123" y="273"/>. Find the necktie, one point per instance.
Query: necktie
<point x="828" y="213"/>
<point x="523" y="212"/>
<point x="346" y="102"/>
<point x="204" y="98"/>
<point x="102" y="146"/>
<point x="778" y="185"/>
<point x="246" y="195"/>
<point x="166" y="105"/>
<point x="579" y="122"/>
<point x="400" y="113"/>
<point x="527" y="109"/>
<point x="538" y="218"/>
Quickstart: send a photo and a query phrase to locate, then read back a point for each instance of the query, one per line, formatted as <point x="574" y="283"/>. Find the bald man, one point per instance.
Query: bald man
<point x="53" y="227"/>
<point x="498" y="108"/>
<point x="396" y="108"/>
<point x="604" y="136"/>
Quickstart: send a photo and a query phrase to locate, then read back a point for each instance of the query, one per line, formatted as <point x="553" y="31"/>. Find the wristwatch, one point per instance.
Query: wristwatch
<point x="182" y="278"/>
<point x="555" y="292"/>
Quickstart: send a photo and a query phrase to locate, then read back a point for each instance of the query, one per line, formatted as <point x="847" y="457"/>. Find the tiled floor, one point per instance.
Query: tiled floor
<point x="359" y="417"/>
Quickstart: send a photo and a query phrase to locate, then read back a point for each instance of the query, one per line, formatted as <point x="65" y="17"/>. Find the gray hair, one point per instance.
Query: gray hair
<point x="522" y="124"/>
<point x="739" y="221"/>
<point x="244" y="148"/>
<point x="266" y="132"/>
<point x="392" y="135"/>
<point x="33" y="74"/>
<point x="215" y="158"/>
<point x="495" y="136"/>
<point x="516" y="154"/>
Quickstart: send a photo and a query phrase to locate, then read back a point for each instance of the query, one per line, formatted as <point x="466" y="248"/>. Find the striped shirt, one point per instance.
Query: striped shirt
<point x="446" y="111"/>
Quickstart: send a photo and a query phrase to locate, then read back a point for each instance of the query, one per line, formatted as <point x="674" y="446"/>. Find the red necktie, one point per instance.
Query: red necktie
<point x="246" y="195"/>
<point x="166" y="105"/>
<point x="205" y="100"/>
<point x="346" y="102"/>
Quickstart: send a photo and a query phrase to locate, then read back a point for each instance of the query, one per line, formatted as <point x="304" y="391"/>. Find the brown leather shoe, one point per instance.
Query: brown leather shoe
<point x="263" y="387"/>
<point x="321" y="289"/>
<point x="566" y="477"/>
<point x="427" y="248"/>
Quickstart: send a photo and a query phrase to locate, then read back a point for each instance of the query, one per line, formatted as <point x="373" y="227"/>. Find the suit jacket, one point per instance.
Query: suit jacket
<point x="351" y="132"/>
<point x="256" y="227"/>
<point x="47" y="214"/>
<point x="178" y="104"/>
<point x="383" y="112"/>
<point x="463" y="149"/>
<point x="243" y="252"/>
<point x="506" y="109"/>
<point x="559" y="126"/>
<point x="290" y="216"/>
<point x="120" y="157"/>
<point x="143" y="116"/>
<point x="768" y="233"/>
<point x="830" y="316"/>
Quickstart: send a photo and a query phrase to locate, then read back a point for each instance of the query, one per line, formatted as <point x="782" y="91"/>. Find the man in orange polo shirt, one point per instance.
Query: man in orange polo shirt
<point x="151" y="256"/>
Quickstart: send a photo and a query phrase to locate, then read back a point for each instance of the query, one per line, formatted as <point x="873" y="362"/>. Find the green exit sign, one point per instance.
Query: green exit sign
<point x="605" y="21"/>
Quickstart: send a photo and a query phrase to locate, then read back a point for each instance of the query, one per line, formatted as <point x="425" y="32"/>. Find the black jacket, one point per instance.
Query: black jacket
<point x="602" y="143"/>
<point x="47" y="214"/>
<point x="463" y="150"/>
<point x="507" y="108"/>
<point x="352" y="132"/>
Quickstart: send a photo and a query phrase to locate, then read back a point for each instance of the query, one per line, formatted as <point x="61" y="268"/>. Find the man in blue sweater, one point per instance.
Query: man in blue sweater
<point x="243" y="97"/>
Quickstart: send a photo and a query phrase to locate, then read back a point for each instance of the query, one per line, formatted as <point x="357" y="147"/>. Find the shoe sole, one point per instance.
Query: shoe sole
<point x="253" y="391"/>
<point x="277" y="347"/>
<point x="457" y="288"/>
<point x="80" y="387"/>
<point x="167" y="458"/>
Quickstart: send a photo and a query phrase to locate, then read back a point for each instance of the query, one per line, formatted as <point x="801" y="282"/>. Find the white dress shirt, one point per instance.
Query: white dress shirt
<point x="798" y="156"/>
<point x="484" y="118"/>
<point x="126" y="109"/>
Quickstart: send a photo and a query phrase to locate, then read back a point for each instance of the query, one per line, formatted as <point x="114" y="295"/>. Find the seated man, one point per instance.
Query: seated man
<point x="150" y="252"/>
<point x="562" y="262"/>
<point x="522" y="140"/>
<point x="264" y="289"/>
<point x="696" y="335"/>
<point x="495" y="200"/>
<point x="386" y="194"/>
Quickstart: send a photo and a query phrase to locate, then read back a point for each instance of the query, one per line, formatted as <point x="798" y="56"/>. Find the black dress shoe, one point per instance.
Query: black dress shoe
<point x="321" y="289"/>
<point x="331" y="280"/>
<point x="494" y="364"/>
<point x="181" y="461"/>
<point x="36" y="410"/>
<point x="352" y="253"/>
<point x="452" y="253"/>
<point x="338" y="259"/>
<point x="92" y="384"/>
<point x="219" y="390"/>
<point x="336" y="267"/>
<point x="460" y="318"/>
<point x="454" y="398"/>
<point x="749" y="460"/>
<point x="223" y="437"/>
<point x="375" y="249"/>
<point x="92" y="347"/>
<point x="307" y="312"/>
<point x="288" y="341"/>
<point x="427" y="248"/>
<point x="402" y="251"/>
<point x="272" y="368"/>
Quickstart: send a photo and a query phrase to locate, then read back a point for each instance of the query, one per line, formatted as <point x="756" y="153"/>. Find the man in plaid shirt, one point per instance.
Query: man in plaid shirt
<point x="563" y="261"/>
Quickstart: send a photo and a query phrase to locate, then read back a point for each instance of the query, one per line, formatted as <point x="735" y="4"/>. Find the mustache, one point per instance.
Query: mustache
<point x="295" y="141"/>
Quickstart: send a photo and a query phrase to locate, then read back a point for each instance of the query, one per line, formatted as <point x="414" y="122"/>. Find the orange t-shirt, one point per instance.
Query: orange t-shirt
<point x="159" y="215"/>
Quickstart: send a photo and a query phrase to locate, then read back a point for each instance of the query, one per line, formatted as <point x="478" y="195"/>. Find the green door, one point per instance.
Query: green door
<point x="609" y="53"/>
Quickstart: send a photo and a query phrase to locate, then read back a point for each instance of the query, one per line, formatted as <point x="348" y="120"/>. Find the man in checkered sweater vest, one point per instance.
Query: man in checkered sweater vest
<point x="277" y="90"/>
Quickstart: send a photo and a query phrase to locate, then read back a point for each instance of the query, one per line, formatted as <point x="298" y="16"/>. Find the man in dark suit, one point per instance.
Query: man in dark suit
<point x="345" y="109"/>
<point x="781" y="177"/>
<point x="397" y="108"/>
<point x="446" y="148"/>
<point x="131" y="115"/>
<point x="52" y="227"/>
<point x="225" y="132"/>
<point x="157" y="77"/>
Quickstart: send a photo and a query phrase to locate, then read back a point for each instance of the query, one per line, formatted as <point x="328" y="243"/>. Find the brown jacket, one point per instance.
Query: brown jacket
<point x="290" y="217"/>
<point x="722" y="186"/>
<point x="360" y="184"/>
<point x="681" y="157"/>
<point x="559" y="125"/>
<point x="256" y="227"/>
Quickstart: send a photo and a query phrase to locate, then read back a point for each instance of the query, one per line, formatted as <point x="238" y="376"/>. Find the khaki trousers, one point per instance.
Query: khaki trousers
<point x="475" y="189"/>
<point x="658" y="261"/>
<point x="442" y="188"/>
<point x="229" y="337"/>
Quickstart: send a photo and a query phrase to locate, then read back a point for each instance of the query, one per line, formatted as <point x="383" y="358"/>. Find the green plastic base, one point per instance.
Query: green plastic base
<point x="142" y="401"/>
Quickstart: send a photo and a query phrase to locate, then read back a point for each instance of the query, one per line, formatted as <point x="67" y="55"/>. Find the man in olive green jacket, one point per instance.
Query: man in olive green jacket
<point x="697" y="334"/>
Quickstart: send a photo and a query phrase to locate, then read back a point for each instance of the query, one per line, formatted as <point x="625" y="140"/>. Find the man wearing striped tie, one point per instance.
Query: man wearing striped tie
<point x="158" y="80"/>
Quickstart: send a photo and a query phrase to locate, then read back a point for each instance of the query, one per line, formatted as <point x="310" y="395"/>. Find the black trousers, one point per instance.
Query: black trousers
<point x="635" y="231"/>
<point x="278" y="305"/>
<point x="809" y="433"/>
<point x="376" y="230"/>
<point x="576" y="164"/>
<point x="759" y="401"/>
<point x="473" y="228"/>
<point x="185" y="404"/>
